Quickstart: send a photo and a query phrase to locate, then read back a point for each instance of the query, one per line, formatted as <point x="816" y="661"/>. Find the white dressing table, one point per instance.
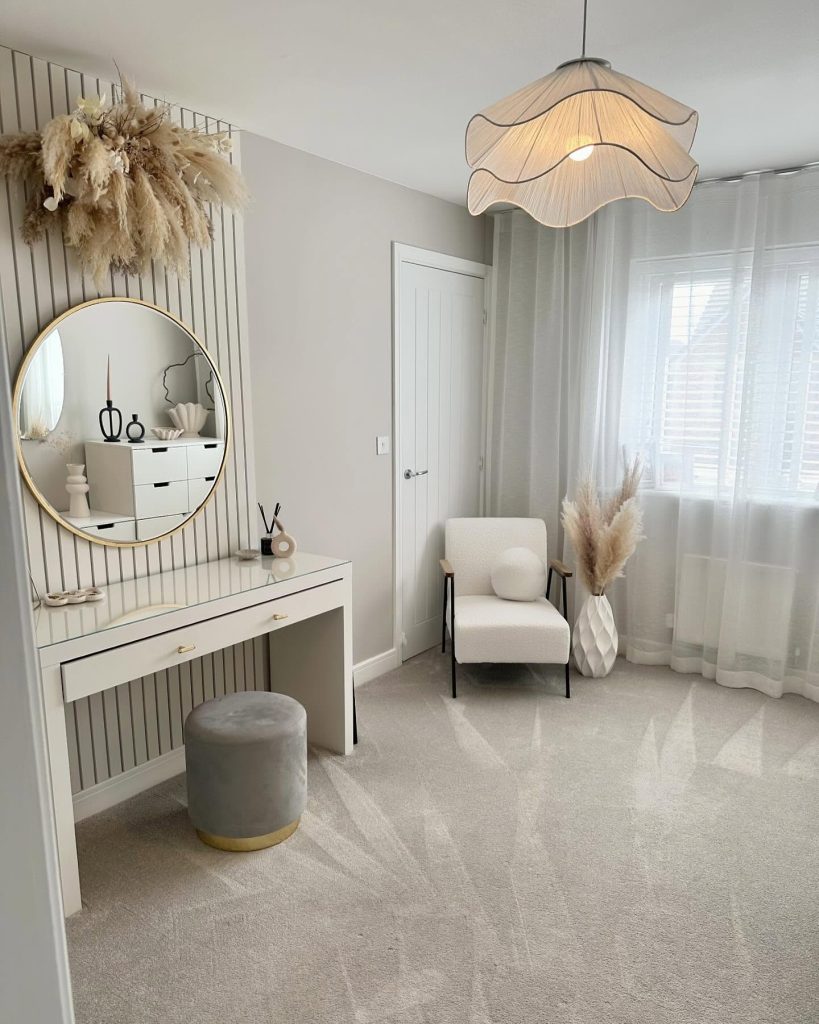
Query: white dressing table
<point x="303" y="604"/>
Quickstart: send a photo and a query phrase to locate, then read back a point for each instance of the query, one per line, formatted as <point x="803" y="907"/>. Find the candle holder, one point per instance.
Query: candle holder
<point x="109" y="412"/>
<point x="137" y="428"/>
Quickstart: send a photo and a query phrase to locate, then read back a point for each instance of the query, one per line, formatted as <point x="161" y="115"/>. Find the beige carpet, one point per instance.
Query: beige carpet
<point x="644" y="853"/>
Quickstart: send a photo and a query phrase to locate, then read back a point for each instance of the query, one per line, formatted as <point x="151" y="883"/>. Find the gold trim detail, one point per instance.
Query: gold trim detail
<point x="15" y="412"/>
<point x="253" y="843"/>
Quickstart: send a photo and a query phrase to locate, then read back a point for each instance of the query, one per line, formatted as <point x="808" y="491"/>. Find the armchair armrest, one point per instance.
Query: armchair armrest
<point x="561" y="568"/>
<point x="448" y="571"/>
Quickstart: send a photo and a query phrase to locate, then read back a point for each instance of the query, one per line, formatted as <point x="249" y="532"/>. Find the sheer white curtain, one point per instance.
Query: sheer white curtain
<point x="42" y="401"/>
<point x="693" y="339"/>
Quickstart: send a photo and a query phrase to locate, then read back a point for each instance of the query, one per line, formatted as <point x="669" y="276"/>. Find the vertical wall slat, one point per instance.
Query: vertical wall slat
<point x="113" y="732"/>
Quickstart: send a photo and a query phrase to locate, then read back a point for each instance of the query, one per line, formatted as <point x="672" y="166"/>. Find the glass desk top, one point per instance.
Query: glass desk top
<point x="165" y="592"/>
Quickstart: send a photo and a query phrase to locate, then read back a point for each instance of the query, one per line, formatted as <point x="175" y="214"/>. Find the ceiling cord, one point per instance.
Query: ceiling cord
<point x="585" y="8"/>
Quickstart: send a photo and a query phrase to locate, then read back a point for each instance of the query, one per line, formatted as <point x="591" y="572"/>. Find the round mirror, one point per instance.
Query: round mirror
<point x="122" y="422"/>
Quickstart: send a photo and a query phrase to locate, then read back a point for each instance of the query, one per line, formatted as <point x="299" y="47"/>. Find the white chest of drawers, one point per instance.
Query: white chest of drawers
<point x="156" y="484"/>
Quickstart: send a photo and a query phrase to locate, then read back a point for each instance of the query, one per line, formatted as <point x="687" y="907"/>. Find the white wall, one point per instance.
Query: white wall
<point x="318" y="257"/>
<point x="34" y="981"/>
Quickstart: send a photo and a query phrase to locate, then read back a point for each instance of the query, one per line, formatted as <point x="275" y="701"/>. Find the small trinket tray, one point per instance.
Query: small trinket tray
<point x="247" y="554"/>
<point x="60" y="598"/>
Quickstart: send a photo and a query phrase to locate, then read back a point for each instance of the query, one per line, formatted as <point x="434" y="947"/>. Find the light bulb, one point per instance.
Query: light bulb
<point x="581" y="154"/>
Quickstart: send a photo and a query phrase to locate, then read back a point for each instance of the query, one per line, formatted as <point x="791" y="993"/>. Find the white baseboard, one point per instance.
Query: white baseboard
<point x="376" y="666"/>
<point x="121" y="787"/>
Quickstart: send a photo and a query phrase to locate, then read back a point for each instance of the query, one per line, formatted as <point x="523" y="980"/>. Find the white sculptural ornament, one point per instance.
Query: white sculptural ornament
<point x="77" y="486"/>
<point x="190" y="417"/>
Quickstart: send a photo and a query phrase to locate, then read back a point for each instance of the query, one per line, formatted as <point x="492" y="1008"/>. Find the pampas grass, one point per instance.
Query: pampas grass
<point x="604" y="535"/>
<point x="125" y="183"/>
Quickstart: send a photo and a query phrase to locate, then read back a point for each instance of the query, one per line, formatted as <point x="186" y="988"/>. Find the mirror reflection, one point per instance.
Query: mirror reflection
<point x="122" y="422"/>
<point x="42" y="401"/>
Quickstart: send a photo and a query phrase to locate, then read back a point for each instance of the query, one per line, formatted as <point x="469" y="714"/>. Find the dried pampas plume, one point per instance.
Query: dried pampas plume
<point x="604" y="535"/>
<point x="125" y="183"/>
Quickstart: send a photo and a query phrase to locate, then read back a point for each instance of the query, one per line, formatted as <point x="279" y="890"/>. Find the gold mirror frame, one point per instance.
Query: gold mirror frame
<point x="15" y="412"/>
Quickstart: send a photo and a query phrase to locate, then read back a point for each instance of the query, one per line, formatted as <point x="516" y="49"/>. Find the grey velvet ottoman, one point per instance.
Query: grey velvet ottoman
<point x="246" y="760"/>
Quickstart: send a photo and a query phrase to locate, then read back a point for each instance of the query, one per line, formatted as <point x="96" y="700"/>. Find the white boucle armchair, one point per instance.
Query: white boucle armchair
<point x="485" y="627"/>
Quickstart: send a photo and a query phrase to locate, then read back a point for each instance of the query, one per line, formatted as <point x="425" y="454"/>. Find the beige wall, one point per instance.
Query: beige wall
<point x="319" y="281"/>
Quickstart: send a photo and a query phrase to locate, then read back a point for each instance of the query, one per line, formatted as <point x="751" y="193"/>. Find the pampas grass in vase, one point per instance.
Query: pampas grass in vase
<point x="604" y="535"/>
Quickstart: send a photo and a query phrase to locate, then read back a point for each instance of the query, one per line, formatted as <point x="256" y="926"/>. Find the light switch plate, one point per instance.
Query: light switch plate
<point x="382" y="445"/>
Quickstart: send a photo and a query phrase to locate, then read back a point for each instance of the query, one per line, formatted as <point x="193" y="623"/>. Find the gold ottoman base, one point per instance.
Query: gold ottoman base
<point x="253" y="843"/>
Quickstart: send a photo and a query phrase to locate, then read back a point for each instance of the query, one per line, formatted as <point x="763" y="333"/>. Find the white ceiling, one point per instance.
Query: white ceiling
<point x="387" y="86"/>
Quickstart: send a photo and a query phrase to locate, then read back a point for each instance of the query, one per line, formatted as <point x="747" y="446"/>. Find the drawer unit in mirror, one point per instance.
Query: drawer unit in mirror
<point x="155" y="484"/>
<point x="107" y="525"/>
<point x="159" y="463"/>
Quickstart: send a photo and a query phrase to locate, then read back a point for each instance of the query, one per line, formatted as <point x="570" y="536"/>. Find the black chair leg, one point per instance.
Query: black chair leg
<point x="443" y="623"/>
<point x="549" y="585"/>
<point x="452" y="635"/>
<point x="355" y="720"/>
<point x="568" y="687"/>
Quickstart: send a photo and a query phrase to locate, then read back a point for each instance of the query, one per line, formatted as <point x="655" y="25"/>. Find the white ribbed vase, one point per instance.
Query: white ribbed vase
<point x="594" y="641"/>
<point x="76" y="484"/>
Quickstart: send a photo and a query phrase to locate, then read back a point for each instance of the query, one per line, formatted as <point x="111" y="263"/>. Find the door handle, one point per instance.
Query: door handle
<point x="185" y="648"/>
<point x="279" y="616"/>
<point x="409" y="474"/>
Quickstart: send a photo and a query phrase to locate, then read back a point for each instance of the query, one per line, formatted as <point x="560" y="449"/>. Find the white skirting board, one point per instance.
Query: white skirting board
<point x="114" y="790"/>
<point x="376" y="666"/>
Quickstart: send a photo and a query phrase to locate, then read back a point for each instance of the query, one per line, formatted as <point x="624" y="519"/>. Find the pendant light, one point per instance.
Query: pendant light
<point x="577" y="139"/>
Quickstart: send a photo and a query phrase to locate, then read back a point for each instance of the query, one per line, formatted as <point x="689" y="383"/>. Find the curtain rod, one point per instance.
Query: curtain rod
<point x="764" y="170"/>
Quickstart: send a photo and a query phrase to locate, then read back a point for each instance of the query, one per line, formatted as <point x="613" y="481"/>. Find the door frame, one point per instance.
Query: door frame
<point x="409" y="254"/>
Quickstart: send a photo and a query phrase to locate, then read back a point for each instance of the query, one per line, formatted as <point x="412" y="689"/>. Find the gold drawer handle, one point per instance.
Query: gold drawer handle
<point x="279" y="616"/>
<point x="185" y="648"/>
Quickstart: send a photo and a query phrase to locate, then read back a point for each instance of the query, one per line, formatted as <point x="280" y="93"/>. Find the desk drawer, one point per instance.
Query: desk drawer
<point x="142" y="657"/>
<point x="156" y="464"/>
<point x="169" y="498"/>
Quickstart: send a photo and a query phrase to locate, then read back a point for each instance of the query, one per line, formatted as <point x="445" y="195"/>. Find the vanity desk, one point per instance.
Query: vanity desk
<point x="303" y="604"/>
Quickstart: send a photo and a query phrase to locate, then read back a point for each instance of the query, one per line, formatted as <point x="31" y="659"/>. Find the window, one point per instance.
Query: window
<point x="721" y="380"/>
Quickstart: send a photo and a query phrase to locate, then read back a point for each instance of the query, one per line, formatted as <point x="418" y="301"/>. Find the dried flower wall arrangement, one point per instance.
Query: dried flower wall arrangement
<point x="127" y="184"/>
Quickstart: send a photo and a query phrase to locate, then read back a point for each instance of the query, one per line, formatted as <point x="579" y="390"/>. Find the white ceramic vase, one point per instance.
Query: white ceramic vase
<point x="189" y="417"/>
<point x="594" y="641"/>
<point x="77" y="486"/>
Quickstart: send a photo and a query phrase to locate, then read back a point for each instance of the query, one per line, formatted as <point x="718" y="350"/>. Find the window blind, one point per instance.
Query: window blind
<point x="697" y="348"/>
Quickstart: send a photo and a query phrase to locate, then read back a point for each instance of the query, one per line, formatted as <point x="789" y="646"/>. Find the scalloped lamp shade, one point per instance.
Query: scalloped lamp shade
<point x="577" y="139"/>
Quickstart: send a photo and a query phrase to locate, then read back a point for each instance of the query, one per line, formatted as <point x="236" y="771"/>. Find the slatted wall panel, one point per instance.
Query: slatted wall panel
<point x="112" y="732"/>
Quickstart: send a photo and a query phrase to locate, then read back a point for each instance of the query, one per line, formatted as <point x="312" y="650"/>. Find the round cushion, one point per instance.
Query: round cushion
<point x="518" y="574"/>
<point x="246" y="763"/>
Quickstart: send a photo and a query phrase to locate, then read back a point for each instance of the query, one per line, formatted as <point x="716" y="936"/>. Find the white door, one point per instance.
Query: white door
<point x="440" y="353"/>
